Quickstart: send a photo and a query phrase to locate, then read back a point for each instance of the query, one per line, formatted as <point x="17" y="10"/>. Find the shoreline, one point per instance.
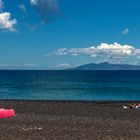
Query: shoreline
<point x="70" y="101"/>
<point x="66" y="120"/>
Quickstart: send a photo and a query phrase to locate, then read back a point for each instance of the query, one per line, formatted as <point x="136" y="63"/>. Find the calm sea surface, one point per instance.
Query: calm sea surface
<point x="70" y="85"/>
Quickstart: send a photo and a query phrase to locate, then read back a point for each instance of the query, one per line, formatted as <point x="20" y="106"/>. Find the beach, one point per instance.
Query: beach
<point x="69" y="120"/>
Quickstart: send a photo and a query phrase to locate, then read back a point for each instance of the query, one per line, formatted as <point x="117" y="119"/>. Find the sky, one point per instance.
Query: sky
<point x="59" y="34"/>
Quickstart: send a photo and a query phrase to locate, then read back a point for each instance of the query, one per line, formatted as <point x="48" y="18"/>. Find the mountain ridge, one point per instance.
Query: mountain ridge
<point x="106" y="66"/>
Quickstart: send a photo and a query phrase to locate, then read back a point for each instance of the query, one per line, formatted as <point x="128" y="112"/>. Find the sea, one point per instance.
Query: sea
<point x="70" y="85"/>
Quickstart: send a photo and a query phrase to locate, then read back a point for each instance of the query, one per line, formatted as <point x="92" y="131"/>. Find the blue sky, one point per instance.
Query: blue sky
<point x="57" y="34"/>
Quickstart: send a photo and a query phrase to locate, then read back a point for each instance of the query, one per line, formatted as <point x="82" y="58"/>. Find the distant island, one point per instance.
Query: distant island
<point x="106" y="66"/>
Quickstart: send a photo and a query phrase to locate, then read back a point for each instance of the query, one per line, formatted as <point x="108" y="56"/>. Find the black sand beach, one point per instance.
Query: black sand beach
<point x="69" y="120"/>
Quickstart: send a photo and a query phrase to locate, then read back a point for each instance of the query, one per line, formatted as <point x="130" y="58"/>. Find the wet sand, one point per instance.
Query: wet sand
<point x="69" y="120"/>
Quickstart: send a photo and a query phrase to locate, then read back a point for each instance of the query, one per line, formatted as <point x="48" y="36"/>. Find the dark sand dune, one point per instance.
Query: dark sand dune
<point x="67" y="120"/>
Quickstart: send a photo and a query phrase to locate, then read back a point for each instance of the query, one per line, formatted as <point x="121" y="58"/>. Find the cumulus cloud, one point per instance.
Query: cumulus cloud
<point x="5" y="19"/>
<point x="125" y="31"/>
<point x="6" y="22"/>
<point x="108" y="52"/>
<point x="46" y="8"/>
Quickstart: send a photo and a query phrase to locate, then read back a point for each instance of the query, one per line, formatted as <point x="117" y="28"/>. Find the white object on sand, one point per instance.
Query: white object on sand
<point x="125" y="107"/>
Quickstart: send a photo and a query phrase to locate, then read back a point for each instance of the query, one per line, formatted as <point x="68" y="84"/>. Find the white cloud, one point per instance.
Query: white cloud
<point x="110" y="52"/>
<point x="62" y="51"/>
<point x="125" y="31"/>
<point x="6" y="23"/>
<point x="103" y="49"/>
<point x="74" y="54"/>
<point x="28" y="65"/>
<point x="18" y="65"/>
<point x="5" y="19"/>
<point x="34" y="2"/>
<point x="64" y="65"/>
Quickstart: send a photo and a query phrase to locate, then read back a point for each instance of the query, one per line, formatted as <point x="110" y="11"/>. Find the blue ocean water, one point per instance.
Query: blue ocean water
<point x="70" y="85"/>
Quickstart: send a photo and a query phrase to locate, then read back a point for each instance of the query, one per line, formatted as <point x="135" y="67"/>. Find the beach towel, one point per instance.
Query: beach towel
<point x="7" y="113"/>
